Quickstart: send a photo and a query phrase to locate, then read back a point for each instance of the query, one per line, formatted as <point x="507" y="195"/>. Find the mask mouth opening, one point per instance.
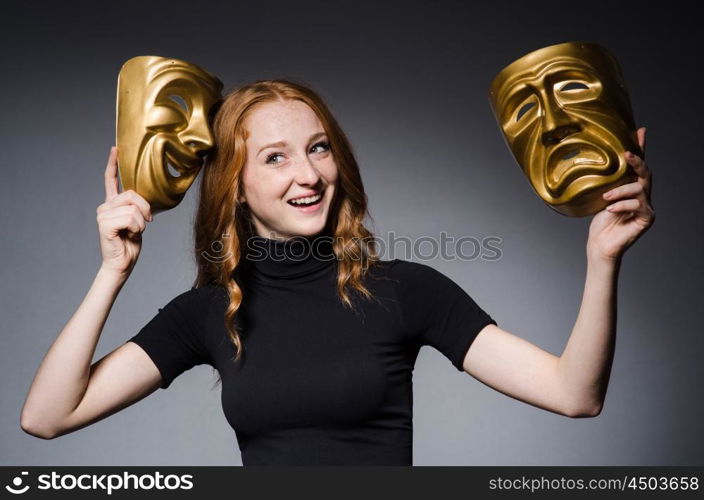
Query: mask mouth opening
<point x="171" y="168"/>
<point x="172" y="165"/>
<point x="571" y="154"/>
<point x="180" y="159"/>
<point x="568" y="162"/>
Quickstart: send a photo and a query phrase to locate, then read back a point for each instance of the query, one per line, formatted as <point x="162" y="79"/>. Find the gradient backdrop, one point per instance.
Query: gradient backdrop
<point x="409" y="86"/>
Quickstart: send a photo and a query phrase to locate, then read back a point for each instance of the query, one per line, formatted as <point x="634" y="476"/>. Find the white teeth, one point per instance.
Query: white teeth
<point x="309" y="199"/>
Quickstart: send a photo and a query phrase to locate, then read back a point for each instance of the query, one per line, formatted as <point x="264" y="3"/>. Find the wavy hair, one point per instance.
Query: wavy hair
<point x="223" y="223"/>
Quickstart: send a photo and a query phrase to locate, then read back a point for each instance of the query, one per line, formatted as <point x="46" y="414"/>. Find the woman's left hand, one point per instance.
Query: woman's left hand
<point x="614" y="229"/>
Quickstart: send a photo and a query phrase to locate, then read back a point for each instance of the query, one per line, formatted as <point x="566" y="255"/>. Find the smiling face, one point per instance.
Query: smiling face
<point x="162" y="126"/>
<point x="288" y="157"/>
<point x="566" y="117"/>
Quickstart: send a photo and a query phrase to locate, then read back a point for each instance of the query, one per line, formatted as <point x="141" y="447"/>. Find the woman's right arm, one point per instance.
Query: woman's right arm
<point x="67" y="392"/>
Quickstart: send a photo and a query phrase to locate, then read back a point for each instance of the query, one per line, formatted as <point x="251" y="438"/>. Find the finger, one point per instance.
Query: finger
<point x="630" y="205"/>
<point x="113" y="224"/>
<point x="638" y="164"/>
<point x="131" y="211"/>
<point x="111" y="187"/>
<point x="133" y="229"/>
<point x="630" y="190"/>
<point x="641" y="139"/>
<point x="131" y="197"/>
<point x="137" y="224"/>
<point x="143" y="205"/>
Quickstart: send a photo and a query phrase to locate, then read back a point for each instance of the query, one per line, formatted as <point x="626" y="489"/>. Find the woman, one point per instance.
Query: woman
<point x="314" y="337"/>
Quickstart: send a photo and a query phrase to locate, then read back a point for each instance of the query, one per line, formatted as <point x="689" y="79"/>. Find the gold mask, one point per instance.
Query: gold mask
<point x="566" y="116"/>
<point x="163" y="129"/>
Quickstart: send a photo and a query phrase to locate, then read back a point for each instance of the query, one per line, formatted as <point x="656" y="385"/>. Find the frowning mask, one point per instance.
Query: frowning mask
<point x="566" y="116"/>
<point x="163" y="129"/>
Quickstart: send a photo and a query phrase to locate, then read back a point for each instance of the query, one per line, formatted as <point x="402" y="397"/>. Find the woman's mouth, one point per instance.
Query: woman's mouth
<point x="307" y="204"/>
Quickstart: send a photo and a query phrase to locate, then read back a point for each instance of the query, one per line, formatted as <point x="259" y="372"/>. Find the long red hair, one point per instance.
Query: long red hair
<point x="223" y="224"/>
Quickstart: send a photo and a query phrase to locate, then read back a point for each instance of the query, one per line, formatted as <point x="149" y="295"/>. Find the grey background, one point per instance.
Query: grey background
<point x="408" y="83"/>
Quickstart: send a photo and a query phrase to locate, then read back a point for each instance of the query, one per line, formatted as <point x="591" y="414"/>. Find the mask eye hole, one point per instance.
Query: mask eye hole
<point x="179" y="101"/>
<point x="573" y="86"/>
<point x="524" y="109"/>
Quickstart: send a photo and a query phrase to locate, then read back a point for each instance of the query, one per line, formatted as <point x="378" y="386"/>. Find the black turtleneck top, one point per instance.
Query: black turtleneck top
<point x="318" y="383"/>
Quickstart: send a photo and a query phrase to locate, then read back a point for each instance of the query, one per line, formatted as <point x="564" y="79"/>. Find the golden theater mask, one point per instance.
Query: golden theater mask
<point x="163" y="126"/>
<point x="566" y="116"/>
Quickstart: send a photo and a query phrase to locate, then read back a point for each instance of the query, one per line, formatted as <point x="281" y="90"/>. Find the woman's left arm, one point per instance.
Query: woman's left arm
<point x="575" y="383"/>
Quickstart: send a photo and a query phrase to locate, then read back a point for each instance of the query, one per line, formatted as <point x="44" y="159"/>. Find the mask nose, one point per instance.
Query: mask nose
<point x="197" y="137"/>
<point x="557" y="124"/>
<point x="557" y="134"/>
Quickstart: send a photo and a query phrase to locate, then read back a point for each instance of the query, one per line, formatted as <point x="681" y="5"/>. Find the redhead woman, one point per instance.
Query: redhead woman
<point x="313" y="335"/>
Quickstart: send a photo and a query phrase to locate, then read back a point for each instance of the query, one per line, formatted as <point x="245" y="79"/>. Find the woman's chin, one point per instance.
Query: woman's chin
<point x="308" y="230"/>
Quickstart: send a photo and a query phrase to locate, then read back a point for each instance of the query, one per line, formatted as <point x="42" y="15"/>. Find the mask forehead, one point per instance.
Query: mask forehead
<point x="565" y="114"/>
<point x="186" y="80"/>
<point x="587" y="55"/>
<point x="544" y="67"/>
<point x="163" y="107"/>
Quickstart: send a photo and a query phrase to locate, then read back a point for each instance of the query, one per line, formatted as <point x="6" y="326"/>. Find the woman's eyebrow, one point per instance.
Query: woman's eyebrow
<point x="281" y="144"/>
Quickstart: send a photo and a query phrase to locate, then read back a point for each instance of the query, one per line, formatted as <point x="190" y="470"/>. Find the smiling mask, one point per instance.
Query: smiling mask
<point x="163" y="129"/>
<point x="566" y="116"/>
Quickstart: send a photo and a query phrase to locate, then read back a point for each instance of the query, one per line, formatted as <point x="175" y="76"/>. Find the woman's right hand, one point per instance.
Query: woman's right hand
<point x="121" y="221"/>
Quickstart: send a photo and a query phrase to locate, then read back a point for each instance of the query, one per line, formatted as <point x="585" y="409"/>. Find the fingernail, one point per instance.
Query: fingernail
<point x="610" y="208"/>
<point x="607" y="195"/>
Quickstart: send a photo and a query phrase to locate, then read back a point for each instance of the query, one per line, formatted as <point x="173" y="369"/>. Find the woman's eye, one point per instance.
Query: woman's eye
<point x="324" y="145"/>
<point x="271" y="157"/>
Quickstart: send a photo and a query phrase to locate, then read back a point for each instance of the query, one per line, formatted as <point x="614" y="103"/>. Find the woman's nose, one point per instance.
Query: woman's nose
<point x="306" y="173"/>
